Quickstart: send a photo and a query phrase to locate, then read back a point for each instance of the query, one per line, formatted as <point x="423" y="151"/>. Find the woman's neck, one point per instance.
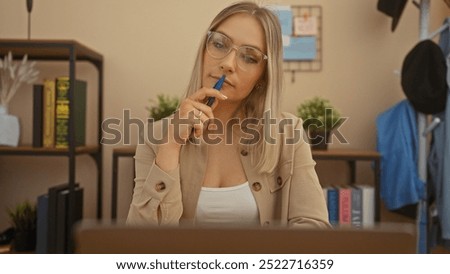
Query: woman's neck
<point x="229" y="116"/>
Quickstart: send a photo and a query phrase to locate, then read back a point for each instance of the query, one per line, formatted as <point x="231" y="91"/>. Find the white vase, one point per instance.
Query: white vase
<point x="9" y="128"/>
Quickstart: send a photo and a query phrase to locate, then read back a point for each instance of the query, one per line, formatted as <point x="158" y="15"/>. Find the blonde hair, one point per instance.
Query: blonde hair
<point x="265" y="97"/>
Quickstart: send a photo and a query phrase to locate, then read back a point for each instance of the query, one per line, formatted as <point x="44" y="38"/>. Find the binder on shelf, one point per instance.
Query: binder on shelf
<point x="57" y="218"/>
<point x="63" y="224"/>
<point x="38" y="106"/>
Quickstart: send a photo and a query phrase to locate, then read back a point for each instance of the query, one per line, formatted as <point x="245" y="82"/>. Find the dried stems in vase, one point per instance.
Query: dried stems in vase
<point x="12" y="75"/>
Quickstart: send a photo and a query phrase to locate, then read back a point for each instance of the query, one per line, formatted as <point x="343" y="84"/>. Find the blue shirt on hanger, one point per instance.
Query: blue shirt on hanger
<point x="397" y="142"/>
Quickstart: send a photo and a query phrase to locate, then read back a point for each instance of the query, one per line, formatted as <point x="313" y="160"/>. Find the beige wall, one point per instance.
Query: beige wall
<point x="149" y="48"/>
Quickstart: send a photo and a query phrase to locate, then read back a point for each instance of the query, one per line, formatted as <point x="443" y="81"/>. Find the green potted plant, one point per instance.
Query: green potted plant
<point x="319" y="119"/>
<point x="23" y="218"/>
<point x="162" y="107"/>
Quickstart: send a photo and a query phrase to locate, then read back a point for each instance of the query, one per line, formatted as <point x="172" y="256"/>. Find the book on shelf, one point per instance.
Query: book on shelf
<point x="48" y="115"/>
<point x="62" y="112"/>
<point x="345" y="205"/>
<point x="368" y="205"/>
<point x="38" y="106"/>
<point x="333" y="205"/>
<point x="356" y="208"/>
<point x="352" y="205"/>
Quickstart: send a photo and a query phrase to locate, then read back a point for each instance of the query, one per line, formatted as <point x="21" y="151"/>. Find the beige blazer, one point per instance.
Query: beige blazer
<point x="290" y="196"/>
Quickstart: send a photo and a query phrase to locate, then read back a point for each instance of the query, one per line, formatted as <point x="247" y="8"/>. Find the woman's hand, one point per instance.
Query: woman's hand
<point x="190" y="119"/>
<point x="194" y="113"/>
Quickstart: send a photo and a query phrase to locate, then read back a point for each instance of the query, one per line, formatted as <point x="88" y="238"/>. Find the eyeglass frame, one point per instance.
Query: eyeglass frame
<point x="233" y="46"/>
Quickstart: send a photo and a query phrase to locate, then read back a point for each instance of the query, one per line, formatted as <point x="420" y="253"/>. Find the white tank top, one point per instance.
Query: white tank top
<point x="227" y="205"/>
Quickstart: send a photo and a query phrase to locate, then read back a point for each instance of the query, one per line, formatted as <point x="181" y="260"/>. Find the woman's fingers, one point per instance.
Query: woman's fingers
<point x="202" y="94"/>
<point x="194" y="115"/>
<point x="202" y="111"/>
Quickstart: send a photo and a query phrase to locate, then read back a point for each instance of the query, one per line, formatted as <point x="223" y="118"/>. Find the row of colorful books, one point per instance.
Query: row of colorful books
<point x="51" y="113"/>
<point x="351" y="205"/>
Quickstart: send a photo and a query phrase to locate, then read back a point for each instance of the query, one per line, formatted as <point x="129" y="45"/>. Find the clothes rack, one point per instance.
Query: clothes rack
<point x="423" y="241"/>
<point x="422" y="214"/>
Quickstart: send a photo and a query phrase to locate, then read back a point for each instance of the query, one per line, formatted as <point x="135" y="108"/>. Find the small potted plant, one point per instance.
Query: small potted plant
<point x="23" y="218"/>
<point x="164" y="106"/>
<point x="319" y="119"/>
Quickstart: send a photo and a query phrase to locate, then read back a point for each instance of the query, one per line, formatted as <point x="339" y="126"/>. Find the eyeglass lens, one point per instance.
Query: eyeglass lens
<point x="219" y="46"/>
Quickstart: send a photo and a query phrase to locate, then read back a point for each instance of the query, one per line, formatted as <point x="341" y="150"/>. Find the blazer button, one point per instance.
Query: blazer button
<point x="256" y="186"/>
<point x="160" y="187"/>
<point x="279" y="180"/>
<point x="266" y="223"/>
<point x="244" y="152"/>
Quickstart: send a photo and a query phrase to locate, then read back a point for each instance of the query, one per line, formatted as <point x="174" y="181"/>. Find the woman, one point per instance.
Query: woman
<point x="236" y="161"/>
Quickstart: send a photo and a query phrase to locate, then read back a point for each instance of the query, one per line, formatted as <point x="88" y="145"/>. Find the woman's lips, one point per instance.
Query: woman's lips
<point x="226" y="80"/>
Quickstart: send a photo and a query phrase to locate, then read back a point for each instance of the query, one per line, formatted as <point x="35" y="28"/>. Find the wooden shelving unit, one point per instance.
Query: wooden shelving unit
<point x="351" y="156"/>
<point x="71" y="52"/>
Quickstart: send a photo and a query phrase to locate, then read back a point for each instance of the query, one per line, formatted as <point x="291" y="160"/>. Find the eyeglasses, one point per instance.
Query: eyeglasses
<point x="219" y="46"/>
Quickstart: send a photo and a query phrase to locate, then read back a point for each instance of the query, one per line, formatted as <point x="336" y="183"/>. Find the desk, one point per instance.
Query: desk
<point x="351" y="156"/>
<point x="5" y="249"/>
<point x="104" y="238"/>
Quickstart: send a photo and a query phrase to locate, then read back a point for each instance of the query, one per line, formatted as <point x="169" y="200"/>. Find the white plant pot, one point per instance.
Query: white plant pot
<point x="9" y="128"/>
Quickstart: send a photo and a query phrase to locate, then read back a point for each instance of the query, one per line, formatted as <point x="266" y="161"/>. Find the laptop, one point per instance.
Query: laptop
<point x="114" y="238"/>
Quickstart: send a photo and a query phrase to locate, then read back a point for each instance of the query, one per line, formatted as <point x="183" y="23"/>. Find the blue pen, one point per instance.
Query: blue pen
<point x="211" y="100"/>
<point x="217" y="86"/>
